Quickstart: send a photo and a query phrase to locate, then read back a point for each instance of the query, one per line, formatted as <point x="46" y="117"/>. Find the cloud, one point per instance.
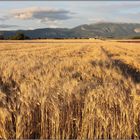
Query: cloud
<point x="8" y="26"/>
<point x="4" y="18"/>
<point x="125" y="5"/>
<point x="84" y="13"/>
<point x="41" y="14"/>
<point x="1" y="18"/>
<point x="125" y="12"/>
<point x="114" y="6"/>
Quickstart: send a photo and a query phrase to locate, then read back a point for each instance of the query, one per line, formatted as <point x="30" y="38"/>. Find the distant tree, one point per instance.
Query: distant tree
<point x="136" y="37"/>
<point x="19" y="36"/>
<point x="1" y="37"/>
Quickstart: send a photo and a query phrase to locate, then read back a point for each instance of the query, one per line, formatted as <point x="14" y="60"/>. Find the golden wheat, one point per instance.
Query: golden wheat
<point x="69" y="89"/>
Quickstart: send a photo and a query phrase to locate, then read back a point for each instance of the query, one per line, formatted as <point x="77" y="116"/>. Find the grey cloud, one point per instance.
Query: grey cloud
<point x="42" y="14"/>
<point x="4" y="18"/>
<point x="1" y="19"/>
<point x="8" y="26"/>
<point x="52" y="15"/>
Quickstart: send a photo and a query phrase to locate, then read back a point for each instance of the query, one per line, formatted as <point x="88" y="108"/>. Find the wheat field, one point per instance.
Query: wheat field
<point x="69" y="89"/>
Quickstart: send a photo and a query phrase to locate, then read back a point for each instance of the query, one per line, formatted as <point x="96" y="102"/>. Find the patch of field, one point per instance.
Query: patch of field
<point x="69" y="89"/>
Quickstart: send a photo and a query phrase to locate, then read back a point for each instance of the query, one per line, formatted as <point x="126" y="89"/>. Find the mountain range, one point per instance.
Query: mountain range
<point x="97" y="30"/>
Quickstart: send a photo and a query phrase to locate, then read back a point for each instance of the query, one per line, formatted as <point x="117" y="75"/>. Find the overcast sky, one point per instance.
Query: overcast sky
<point x="44" y="14"/>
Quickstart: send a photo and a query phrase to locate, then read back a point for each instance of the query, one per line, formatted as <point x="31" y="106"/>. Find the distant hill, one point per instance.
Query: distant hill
<point x="108" y="30"/>
<point x="99" y="30"/>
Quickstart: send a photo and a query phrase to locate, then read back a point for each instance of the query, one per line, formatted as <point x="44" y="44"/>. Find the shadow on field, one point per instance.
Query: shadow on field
<point x="128" y="70"/>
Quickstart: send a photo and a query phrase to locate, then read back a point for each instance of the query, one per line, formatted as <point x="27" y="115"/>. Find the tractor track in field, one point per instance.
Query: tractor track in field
<point x="126" y="69"/>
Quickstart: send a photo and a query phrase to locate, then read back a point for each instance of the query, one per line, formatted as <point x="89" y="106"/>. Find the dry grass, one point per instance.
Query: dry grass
<point x="80" y="90"/>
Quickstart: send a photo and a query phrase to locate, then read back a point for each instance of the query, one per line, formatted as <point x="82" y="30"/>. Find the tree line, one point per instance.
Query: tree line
<point x="17" y="36"/>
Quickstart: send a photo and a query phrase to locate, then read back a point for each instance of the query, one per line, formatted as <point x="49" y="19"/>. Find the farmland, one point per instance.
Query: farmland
<point x="70" y="89"/>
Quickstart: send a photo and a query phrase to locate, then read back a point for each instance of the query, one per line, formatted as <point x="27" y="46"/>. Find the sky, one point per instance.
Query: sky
<point x="65" y="14"/>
